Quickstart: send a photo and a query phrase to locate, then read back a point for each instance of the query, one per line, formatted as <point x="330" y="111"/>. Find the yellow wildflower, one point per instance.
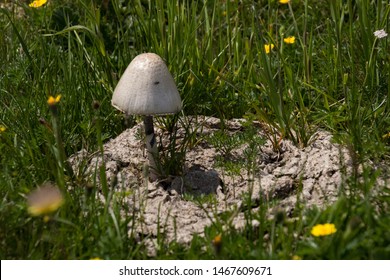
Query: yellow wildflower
<point x="54" y="100"/>
<point x="44" y="200"/>
<point x="296" y="258"/>
<point x="323" y="229"/>
<point x="217" y="240"/>
<point x="289" y="40"/>
<point x="284" y="1"/>
<point x="37" y="3"/>
<point x="95" y="259"/>
<point x="217" y="243"/>
<point x="268" y="47"/>
<point x="2" y="128"/>
<point x="387" y="135"/>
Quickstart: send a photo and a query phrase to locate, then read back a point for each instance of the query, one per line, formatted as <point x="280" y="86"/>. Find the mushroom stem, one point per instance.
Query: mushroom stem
<point x="151" y="147"/>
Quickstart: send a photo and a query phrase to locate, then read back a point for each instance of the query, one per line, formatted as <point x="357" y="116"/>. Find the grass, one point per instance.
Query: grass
<point x="335" y="77"/>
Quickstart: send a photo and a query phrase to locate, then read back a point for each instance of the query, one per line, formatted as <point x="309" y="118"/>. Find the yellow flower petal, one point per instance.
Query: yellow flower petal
<point x="2" y="128"/>
<point x="54" y="100"/>
<point x="323" y="229"/>
<point x="268" y="47"/>
<point x="44" y="200"/>
<point x="289" y="40"/>
<point x="284" y="1"/>
<point x="217" y="240"/>
<point x="37" y="3"/>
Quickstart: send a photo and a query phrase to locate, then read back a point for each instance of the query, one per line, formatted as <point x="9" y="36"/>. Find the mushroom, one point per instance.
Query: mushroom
<point x="147" y="88"/>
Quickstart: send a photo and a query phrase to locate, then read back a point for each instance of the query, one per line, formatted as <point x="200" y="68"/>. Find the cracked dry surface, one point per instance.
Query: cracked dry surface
<point x="312" y="174"/>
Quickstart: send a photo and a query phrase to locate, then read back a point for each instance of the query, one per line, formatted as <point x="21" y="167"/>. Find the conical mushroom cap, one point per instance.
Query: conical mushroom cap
<point x="147" y="88"/>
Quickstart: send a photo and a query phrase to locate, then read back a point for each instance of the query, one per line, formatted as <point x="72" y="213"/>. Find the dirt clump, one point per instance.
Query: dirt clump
<point x="220" y="175"/>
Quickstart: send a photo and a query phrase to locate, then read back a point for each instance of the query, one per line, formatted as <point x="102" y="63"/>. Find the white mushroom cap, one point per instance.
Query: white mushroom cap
<point x="147" y="88"/>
